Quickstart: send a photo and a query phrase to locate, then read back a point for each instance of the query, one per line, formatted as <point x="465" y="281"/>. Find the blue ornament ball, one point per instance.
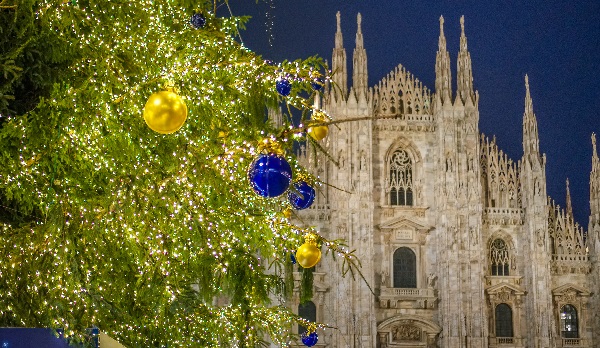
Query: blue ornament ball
<point x="306" y="197"/>
<point x="293" y="257"/>
<point x="270" y="175"/>
<point x="317" y="84"/>
<point x="310" y="339"/>
<point x="198" y="20"/>
<point x="283" y="86"/>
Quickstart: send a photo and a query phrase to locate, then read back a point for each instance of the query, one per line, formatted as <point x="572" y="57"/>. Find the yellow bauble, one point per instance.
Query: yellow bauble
<point x="165" y="112"/>
<point x="308" y="255"/>
<point x="287" y="213"/>
<point x="318" y="132"/>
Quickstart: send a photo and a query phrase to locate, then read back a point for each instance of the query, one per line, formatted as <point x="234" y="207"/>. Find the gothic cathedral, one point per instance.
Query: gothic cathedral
<point x="460" y="245"/>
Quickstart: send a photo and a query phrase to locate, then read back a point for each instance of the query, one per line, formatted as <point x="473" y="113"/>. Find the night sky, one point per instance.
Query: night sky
<point x="557" y="43"/>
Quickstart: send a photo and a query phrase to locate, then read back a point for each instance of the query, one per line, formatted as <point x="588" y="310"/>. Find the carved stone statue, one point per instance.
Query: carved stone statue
<point x="540" y="237"/>
<point x="473" y="235"/>
<point x="431" y="280"/>
<point x="385" y="276"/>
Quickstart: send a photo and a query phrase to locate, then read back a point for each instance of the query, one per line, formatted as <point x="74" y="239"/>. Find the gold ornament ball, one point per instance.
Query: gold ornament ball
<point x="308" y="255"/>
<point x="318" y="132"/>
<point x="287" y="213"/>
<point x="165" y="112"/>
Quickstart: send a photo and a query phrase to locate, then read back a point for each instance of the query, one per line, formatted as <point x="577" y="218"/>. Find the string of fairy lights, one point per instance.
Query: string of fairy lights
<point x="156" y="239"/>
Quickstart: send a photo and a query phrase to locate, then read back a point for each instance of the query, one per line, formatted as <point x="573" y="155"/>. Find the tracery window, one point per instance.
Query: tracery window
<point x="499" y="258"/>
<point x="400" y="181"/>
<point x="405" y="268"/>
<point x="307" y="311"/>
<point x="568" y="322"/>
<point x="504" y="324"/>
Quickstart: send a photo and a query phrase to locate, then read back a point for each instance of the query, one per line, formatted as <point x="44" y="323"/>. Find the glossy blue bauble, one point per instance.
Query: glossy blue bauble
<point x="270" y="175"/>
<point x="293" y="257"/>
<point x="317" y="84"/>
<point x="283" y="86"/>
<point x="310" y="339"/>
<point x="306" y="197"/>
<point x="198" y="21"/>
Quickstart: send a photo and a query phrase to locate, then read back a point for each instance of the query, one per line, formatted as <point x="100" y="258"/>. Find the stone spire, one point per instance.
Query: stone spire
<point x="443" y="78"/>
<point x="340" y="73"/>
<point x="569" y="205"/>
<point x="593" y="232"/>
<point x="531" y="141"/>
<point x="595" y="184"/>
<point x="359" y="67"/>
<point x="463" y="68"/>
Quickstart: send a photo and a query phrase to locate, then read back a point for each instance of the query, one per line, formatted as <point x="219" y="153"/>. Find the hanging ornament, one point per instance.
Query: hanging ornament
<point x="165" y="112"/>
<point x="306" y="197"/>
<point x="310" y="339"/>
<point x="198" y="20"/>
<point x="270" y="174"/>
<point x="308" y="254"/>
<point x="293" y="258"/>
<point x="283" y="86"/>
<point x="317" y="83"/>
<point x="315" y="131"/>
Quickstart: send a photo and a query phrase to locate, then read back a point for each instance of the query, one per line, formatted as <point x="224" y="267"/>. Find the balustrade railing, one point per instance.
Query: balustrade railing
<point x="406" y="292"/>
<point x="570" y="257"/>
<point x="509" y="211"/>
<point x="571" y="342"/>
<point x="505" y="340"/>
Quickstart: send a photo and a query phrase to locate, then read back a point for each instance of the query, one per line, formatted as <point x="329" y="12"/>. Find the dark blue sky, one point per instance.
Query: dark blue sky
<point x="557" y="43"/>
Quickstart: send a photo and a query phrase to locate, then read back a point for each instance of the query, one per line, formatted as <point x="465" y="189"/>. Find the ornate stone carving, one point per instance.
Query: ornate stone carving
<point x="569" y="296"/>
<point x="503" y="295"/>
<point x="406" y="332"/>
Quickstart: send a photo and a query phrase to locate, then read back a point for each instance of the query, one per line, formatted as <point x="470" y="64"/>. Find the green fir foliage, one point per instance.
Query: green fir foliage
<point x="32" y="57"/>
<point x="158" y="240"/>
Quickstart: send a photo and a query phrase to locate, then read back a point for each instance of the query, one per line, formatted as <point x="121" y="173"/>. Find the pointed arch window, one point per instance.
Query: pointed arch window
<point x="307" y="311"/>
<point x="504" y="324"/>
<point x="568" y="322"/>
<point x="400" y="181"/>
<point x="499" y="258"/>
<point x="405" y="268"/>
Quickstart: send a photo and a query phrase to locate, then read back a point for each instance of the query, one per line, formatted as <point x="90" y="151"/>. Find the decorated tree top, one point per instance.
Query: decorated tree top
<point x="157" y="239"/>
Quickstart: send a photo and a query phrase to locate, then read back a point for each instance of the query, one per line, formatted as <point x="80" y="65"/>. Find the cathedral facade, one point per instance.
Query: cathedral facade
<point x="460" y="245"/>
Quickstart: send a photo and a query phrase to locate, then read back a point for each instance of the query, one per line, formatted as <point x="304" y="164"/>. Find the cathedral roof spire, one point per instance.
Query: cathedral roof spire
<point x="339" y="77"/>
<point x="442" y="39"/>
<point x="443" y="78"/>
<point x="569" y="205"/>
<point x="359" y="70"/>
<point x="595" y="160"/>
<point x="531" y="141"/>
<point x="339" y="39"/>
<point x="595" y="184"/>
<point x="359" y="35"/>
<point x="463" y="38"/>
<point x="528" y="100"/>
<point x="464" y="70"/>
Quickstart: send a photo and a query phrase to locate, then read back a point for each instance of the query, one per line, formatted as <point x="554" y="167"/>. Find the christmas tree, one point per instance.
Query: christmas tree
<point x="109" y="217"/>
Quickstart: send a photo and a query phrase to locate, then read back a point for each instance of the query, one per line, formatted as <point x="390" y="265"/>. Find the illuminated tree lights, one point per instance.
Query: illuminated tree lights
<point x="157" y="239"/>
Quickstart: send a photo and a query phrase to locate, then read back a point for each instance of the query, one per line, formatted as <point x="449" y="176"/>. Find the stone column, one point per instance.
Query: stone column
<point x="518" y="302"/>
<point x="383" y="339"/>
<point x="431" y="342"/>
